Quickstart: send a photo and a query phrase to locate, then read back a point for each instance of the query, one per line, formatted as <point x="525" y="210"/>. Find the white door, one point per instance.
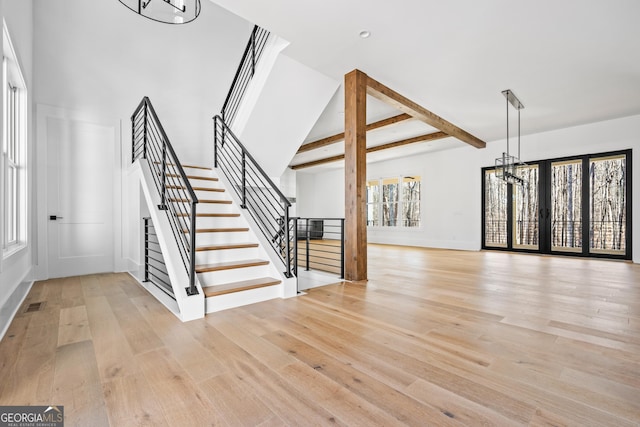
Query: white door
<point x="80" y="175"/>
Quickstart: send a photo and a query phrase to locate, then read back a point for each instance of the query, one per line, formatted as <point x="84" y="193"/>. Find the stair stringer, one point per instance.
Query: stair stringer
<point x="190" y="307"/>
<point x="289" y="285"/>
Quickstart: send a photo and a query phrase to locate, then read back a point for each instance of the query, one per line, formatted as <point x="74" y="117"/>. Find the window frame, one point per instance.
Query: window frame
<point x="13" y="166"/>
<point x="545" y="240"/>
<point x="377" y="204"/>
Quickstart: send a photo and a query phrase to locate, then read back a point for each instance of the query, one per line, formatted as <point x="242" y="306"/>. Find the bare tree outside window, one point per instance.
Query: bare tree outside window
<point x="526" y="224"/>
<point x="390" y="197"/>
<point x="495" y="210"/>
<point x="607" y="200"/>
<point x="373" y="203"/>
<point x="411" y="201"/>
<point x="566" y="206"/>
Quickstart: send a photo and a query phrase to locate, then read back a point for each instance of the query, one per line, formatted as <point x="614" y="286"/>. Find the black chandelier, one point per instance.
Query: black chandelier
<point x="167" y="11"/>
<point x="509" y="167"/>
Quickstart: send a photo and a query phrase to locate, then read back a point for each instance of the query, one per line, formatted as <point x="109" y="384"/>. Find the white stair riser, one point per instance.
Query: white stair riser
<point x="203" y="239"/>
<point x="225" y="255"/>
<point x="221" y="222"/>
<point x="215" y="208"/>
<point x="203" y="194"/>
<point x="234" y="275"/>
<point x="216" y="222"/>
<point x="238" y="299"/>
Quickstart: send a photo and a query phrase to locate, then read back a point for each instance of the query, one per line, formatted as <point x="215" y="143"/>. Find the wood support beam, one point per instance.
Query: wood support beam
<point x="340" y="136"/>
<point x="391" y="97"/>
<point x="355" y="175"/>
<point x="422" y="138"/>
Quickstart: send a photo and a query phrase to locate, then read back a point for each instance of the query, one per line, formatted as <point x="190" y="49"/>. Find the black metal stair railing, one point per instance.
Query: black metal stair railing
<point x="319" y="244"/>
<point x="257" y="193"/>
<point x="244" y="74"/>
<point x="155" y="269"/>
<point x="178" y="198"/>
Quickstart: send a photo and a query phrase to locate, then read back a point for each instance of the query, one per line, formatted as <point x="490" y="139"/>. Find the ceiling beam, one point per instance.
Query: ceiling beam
<point x="340" y="136"/>
<point x="393" y="98"/>
<point x="422" y="138"/>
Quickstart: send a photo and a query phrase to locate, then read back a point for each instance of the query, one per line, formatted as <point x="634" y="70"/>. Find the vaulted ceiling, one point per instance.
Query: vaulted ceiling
<point x="570" y="62"/>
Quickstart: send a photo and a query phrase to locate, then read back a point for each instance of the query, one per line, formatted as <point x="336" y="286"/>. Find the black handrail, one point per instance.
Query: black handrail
<point x="178" y="198"/>
<point x="268" y="206"/>
<point x="244" y="74"/>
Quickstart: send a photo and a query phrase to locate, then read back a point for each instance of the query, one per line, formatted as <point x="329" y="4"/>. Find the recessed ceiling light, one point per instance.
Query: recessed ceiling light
<point x="365" y="34"/>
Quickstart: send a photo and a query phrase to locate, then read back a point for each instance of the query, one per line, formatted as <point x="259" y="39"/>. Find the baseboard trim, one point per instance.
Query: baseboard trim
<point x="11" y="306"/>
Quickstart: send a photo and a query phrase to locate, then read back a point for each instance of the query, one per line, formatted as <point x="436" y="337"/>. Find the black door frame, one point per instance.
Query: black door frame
<point x="544" y="217"/>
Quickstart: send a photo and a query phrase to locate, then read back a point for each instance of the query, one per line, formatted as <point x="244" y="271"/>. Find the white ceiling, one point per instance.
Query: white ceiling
<point x="570" y="62"/>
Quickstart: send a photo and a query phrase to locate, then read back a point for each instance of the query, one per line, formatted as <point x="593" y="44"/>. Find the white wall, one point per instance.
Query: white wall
<point x="98" y="56"/>
<point x="289" y="104"/>
<point x="99" y="59"/>
<point x="15" y="271"/>
<point x="451" y="180"/>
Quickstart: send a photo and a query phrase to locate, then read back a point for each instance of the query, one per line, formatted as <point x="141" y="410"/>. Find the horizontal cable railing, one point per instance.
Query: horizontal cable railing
<point x="244" y="74"/>
<point x="319" y="244"/>
<point x="155" y="269"/>
<point x="257" y="193"/>
<point x="177" y="196"/>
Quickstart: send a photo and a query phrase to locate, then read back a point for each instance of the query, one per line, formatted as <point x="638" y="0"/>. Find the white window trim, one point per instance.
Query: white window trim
<point x="12" y="74"/>
<point x="400" y="226"/>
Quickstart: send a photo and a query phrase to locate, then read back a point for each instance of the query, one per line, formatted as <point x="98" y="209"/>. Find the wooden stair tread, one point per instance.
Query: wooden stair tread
<point x="186" y="166"/>
<point x="226" y="246"/>
<point x="230" y="265"/>
<point x="211" y="215"/>
<point x="244" y="285"/>
<point x="197" y="167"/>
<point x="219" y="230"/>
<point x="204" y="178"/>
<point x="182" y="187"/>
<point x="223" y="202"/>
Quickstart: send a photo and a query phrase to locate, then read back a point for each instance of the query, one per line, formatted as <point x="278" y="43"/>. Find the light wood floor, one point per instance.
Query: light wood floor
<point x="434" y="338"/>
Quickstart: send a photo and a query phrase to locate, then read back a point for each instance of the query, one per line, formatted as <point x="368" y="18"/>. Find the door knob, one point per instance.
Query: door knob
<point x="54" y="217"/>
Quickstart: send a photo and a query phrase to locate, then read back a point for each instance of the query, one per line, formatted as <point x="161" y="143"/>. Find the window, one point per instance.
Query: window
<point x="578" y="205"/>
<point x="607" y="204"/>
<point x="394" y="202"/>
<point x="410" y="201"/>
<point x="495" y="210"/>
<point x="390" y="202"/>
<point x="373" y="203"/>
<point x="13" y="200"/>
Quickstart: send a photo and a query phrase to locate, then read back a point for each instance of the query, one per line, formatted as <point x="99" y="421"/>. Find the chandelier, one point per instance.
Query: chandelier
<point x="167" y="11"/>
<point x="508" y="167"/>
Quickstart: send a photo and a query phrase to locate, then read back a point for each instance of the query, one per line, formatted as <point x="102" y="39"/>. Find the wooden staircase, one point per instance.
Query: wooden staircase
<point x="229" y="260"/>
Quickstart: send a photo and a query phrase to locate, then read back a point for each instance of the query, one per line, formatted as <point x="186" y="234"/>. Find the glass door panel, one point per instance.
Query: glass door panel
<point x="495" y="210"/>
<point x="526" y="224"/>
<point x="566" y="206"/>
<point x="608" y="205"/>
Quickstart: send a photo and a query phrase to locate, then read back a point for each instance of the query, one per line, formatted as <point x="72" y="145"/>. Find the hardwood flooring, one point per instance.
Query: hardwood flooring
<point x="434" y="338"/>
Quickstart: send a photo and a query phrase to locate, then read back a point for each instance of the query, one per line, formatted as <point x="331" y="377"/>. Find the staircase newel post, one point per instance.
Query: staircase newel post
<point x="342" y="248"/>
<point x="287" y="237"/>
<point x="295" y="246"/>
<point x="223" y="125"/>
<point x="163" y="201"/>
<point x="145" y="133"/>
<point x="146" y="249"/>
<point x="133" y="140"/>
<point x="192" y="290"/>
<point x="307" y="244"/>
<point x="244" y="181"/>
<point x="253" y="50"/>
<point x="215" y="142"/>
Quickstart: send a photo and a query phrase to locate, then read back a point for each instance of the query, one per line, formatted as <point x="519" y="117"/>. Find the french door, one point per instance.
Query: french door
<point x="577" y="206"/>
